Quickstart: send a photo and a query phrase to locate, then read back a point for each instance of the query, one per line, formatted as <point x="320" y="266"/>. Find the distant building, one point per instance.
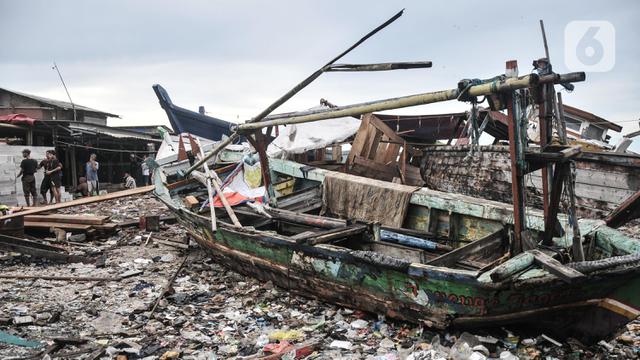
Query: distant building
<point x="38" y="123"/>
<point x="582" y="126"/>
<point x="587" y="126"/>
<point x="41" y="108"/>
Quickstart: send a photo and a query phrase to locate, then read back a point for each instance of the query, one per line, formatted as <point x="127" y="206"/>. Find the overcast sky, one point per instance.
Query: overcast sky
<point x="236" y="57"/>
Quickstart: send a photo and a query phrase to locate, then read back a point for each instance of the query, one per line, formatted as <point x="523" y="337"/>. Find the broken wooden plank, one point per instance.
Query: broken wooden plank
<point x="48" y="225"/>
<point x="10" y="243"/>
<point x="327" y="236"/>
<point x="556" y="268"/>
<point x="71" y="219"/>
<point x="128" y="223"/>
<point x="167" y="286"/>
<point x="625" y="212"/>
<point x="460" y="253"/>
<point x="82" y="201"/>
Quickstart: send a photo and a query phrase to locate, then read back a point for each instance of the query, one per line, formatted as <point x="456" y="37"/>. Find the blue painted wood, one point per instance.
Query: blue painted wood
<point x="394" y="237"/>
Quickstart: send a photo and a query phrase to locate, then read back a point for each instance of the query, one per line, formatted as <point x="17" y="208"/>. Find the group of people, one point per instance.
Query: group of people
<point x="52" y="176"/>
<point x="88" y="184"/>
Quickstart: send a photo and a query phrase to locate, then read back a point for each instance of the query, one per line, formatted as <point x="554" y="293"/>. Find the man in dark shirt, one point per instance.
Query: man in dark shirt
<point x="45" y="186"/>
<point x="55" y="172"/>
<point x="28" y="168"/>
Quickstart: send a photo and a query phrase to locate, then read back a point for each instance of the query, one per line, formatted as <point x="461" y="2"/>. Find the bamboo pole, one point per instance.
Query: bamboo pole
<point x="396" y="103"/>
<point x="412" y="100"/>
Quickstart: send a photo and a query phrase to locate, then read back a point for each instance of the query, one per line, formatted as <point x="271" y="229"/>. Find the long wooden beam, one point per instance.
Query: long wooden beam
<point x="81" y="201"/>
<point x="36" y="249"/>
<point x="71" y="219"/>
<point x="306" y="219"/>
<point x="326" y="236"/>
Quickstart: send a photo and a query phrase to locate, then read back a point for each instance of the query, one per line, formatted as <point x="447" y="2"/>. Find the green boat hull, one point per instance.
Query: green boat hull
<point x="439" y="297"/>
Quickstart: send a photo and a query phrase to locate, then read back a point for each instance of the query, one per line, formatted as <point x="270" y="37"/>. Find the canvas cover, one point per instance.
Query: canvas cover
<point x="355" y="197"/>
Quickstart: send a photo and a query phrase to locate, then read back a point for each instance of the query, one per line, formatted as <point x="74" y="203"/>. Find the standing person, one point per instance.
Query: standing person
<point x="129" y="181"/>
<point x="28" y="168"/>
<point x="45" y="186"/>
<point x="91" y="169"/>
<point x="134" y="167"/>
<point x="55" y="173"/>
<point x="145" y="170"/>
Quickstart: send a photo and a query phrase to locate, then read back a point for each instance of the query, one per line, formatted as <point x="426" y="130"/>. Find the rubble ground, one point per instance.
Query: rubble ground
<point x="212" y="313"/>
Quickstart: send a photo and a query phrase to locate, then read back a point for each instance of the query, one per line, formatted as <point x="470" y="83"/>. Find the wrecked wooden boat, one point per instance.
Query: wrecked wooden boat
<point x="186" y="121"/>
<point x="408" y="252"/>
<point x="420" y="278"/>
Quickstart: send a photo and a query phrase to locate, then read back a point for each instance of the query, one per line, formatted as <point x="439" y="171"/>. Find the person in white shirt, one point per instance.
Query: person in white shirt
<point x="145" y="171"/>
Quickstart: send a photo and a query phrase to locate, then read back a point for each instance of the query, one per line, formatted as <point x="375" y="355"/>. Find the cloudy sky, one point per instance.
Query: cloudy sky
<point x="236" y="57"/>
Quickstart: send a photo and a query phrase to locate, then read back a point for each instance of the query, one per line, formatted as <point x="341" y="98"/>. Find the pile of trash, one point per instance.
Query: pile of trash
<point x="151" y="300"/>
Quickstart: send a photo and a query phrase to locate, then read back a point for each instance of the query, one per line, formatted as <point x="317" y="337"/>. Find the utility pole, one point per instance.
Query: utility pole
<point x="73" y="106"/>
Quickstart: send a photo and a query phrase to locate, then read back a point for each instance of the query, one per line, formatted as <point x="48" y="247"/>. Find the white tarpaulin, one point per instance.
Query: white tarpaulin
<point x="299" y="138"/>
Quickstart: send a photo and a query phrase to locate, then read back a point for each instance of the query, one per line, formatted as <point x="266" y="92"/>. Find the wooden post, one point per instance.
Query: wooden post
<point x="516" y="156"/>
<point x="517" y="179"/>
<point x="578" y="251"/>
<point x="554" y="201"/>
<point x="260" y="143"/>
<point x="544" y="138"/>
<point x="74" y="167"/>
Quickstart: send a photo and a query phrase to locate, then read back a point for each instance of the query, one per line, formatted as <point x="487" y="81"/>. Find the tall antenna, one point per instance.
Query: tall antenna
<point x="73" y="106"/>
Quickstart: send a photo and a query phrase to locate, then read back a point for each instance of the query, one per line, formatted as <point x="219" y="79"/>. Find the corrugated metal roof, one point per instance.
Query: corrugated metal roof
<point x="109" y="131"/>
<point x="58" y="103"/>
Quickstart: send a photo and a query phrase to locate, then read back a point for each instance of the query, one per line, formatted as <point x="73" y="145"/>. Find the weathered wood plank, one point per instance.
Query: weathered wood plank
<point x="460" y="253"/>
<point x="627" y="211"/>
<point x="59" y="225"/>
<point x="82" y="201"/>
<point x="306" y="219"/>
<point x="556" y="268"/>
<point x="27" y="247"/>
<point x="328" y="236"/>
<point x="73" y="219"/>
